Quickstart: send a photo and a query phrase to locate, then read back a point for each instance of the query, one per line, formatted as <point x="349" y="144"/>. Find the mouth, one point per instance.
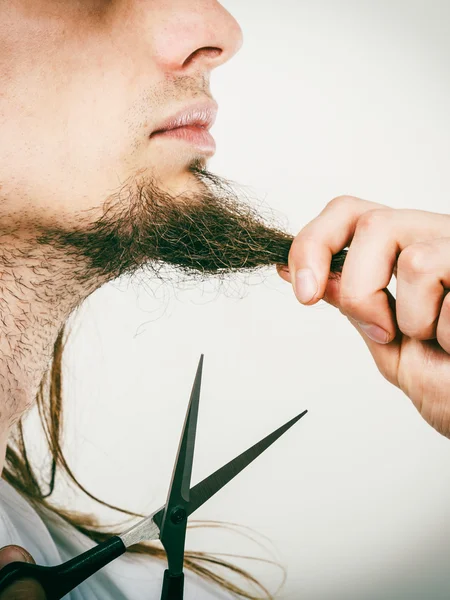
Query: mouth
<point x="191" y="125"/>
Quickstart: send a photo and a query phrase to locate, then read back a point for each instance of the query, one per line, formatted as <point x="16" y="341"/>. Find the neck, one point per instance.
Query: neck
<point x="38" y="291"/>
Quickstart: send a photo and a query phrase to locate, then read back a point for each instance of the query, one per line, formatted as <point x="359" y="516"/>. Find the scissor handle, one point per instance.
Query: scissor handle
<point x="173" y="586"/>
<point x="60" y="580"/>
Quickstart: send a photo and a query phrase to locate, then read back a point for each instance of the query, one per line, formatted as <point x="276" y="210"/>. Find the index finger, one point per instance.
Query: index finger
<point x="331" y="231"/>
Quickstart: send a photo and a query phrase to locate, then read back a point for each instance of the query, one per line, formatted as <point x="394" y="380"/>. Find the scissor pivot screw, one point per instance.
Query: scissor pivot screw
<point x="178" y="515"/>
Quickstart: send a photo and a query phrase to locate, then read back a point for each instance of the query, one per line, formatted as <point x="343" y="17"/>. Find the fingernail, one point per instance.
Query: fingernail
<point x="10" y="554"/>
<point x="305" y="285"/>
<point x="375" y="333"/>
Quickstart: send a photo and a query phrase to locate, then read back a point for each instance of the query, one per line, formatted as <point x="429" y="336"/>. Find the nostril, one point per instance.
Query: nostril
<point x="208" y="53"/>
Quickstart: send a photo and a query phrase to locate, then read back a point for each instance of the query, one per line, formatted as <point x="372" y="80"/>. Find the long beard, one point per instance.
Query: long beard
<point x="209" y="232"/>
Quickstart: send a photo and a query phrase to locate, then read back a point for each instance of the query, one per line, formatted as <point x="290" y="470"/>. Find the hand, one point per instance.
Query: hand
<point x="26" y="589"/>
<point x="408" y="336"/>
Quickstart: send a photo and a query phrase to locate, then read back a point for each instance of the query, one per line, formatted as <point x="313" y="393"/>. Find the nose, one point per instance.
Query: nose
<point x="195" y="35"/>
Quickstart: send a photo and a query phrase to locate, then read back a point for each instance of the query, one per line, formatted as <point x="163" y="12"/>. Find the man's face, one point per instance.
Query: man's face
<point x="86" y="86"/>
<point x="85" y="83"/>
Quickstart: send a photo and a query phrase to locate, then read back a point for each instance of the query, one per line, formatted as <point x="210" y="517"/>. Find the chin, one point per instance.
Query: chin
<point x="182" y="182"/>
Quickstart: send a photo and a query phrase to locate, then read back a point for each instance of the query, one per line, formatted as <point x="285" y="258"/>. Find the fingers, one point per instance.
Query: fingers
<point x="386" y="356"/>
<point x="423" y="275"/>
<point x="380" y="237"/>
<point x="367" y="272"/>
<point x="423" y="282"/>
<point x="313" y="247"/>
<point x="376" y="237"/>
<point x="12" y="553"/>
<point x="410" y="244"/>
<point x="26" y="589"/>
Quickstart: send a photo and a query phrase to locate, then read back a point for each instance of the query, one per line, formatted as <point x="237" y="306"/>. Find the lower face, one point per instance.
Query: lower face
<point x="76" y="117"/>
<point x="49" y="170"/>
<point x="79" y="103"/>
<point x="174" y="152"/>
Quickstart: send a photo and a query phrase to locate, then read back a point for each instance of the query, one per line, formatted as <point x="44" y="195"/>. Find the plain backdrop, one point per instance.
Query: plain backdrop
<point x="325" y="98"/>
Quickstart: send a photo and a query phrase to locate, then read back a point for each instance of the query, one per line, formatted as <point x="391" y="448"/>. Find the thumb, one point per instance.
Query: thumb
<point x="25" y="589"/>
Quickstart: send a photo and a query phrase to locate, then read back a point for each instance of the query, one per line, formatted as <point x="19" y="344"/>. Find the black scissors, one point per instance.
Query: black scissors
<point x="167" y="524"/>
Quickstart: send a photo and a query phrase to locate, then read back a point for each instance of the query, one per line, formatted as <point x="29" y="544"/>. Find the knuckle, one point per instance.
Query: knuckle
<point x="302" y="244"/>
<point x="374" y="219"/>
<point x="351" y="304"/>
<point x="416" y="331"/>
<point x="340" y="201"/>
<point x="417" y="258"/>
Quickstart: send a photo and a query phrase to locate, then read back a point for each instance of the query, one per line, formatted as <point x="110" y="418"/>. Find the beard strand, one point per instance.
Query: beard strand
<point x="207" y="232"/>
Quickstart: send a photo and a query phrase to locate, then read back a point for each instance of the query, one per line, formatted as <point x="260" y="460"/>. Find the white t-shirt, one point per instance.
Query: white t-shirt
<point x="51" y="541"/>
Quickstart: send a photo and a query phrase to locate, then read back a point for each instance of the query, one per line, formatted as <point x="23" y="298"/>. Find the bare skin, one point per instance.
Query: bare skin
<point x="409" y="336"/>
<point x="27" y="589"/>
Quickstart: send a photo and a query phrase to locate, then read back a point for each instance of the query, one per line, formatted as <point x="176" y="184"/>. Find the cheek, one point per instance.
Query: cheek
<point x="72" y="121"/>
<point x="45" y="169"/>
<point x="68" y="150"/>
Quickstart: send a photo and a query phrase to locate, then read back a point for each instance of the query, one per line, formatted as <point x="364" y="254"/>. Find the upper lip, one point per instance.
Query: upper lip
<point x="201" y="115"/>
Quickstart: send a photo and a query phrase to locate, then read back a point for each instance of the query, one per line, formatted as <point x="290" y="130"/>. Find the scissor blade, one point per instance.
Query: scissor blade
<point x="181" y="477"/>
<point x="204" y="490"/>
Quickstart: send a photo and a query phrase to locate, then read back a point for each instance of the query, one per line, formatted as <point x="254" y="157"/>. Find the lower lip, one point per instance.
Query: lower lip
<point x="198" y="137"/>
